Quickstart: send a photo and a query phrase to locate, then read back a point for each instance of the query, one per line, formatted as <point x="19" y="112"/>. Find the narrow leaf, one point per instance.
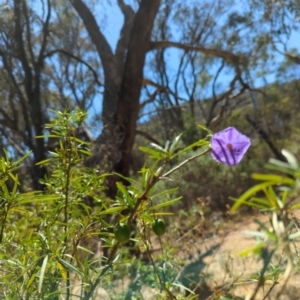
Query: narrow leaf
<point x="42" y="273"/>
<point x="165" y="192"/>
<point x="294" y="235"/>
<point x="290" y="158"/>
<point x="164" y="204"/>
<point x="174" y="143"/>
<point x="153" y="153"/>
<point x="251" y="192"/>
<point x="62" y="270"/>
<point x="67" y="265"/>
<point x="111" y="210"/>
<point x="272" y="177"/>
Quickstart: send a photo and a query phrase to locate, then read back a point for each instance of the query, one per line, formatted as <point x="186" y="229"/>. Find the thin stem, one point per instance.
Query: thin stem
<point x="288" y="269"/>
<point x="66" y="210"/>
<point x="261" y="278"/>
<point x="4" y="220"/>
<point x="270" y="290"/>
<point x="183" y="163"/>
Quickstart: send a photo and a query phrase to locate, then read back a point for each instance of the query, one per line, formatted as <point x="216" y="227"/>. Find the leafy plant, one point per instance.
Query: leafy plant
<point x="276" y="194"/>
<point x="46" y="236"/>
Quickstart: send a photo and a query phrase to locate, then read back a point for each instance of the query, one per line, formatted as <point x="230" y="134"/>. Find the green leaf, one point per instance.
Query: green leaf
<point x="164" y="204"/>
<point x="256" y="234"/>
<point x="272" y="197"/>
<point x="159" y="148"/>
<point x="42" y="273"/>
<point x="125" y="193"/>
<point x="182" y="287"/>
<point x="19" y="210"/>
<point x="284" y="196"/>
<point x="205" y="129"/>
<point x="85" y="152"/>
<point x="111" y="210"/>
<point x="18" y="162"/>
<point x="292" y="160"/>
<point x="153" y="153"/>
<point x="31" y="197"/>
<point x="278" y="165"/>
<point x="251" y="192"/>
<point x="294" y="235"/>
<point x="254" y="205"/>
<point x="165" y="192"/>
<point x="199" y="143"/>
<point x="156" y="214"/>
<point x="261" y="224"/>
<point x="272" y="177"/>
<point x="16" y="185"/>
<point x="262" y="201"/>
<point x="293" y="207"/>
<point x="174" y="143"/>
<point x="68" y="266"/>
<point x="166" y="149"/>
<point x="132" y="181"/>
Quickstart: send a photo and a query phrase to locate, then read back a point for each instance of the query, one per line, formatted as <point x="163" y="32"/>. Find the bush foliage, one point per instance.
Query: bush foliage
<point x="55" y="245"/>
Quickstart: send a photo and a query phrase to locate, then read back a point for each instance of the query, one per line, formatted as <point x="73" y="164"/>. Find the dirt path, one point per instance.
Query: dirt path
<point x="215" y="262"/>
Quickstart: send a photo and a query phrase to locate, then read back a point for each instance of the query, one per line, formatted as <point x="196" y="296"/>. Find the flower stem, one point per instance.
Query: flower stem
<point x="183" y="163"/>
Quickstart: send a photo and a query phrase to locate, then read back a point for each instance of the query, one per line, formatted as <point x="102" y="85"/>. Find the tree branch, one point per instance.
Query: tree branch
<point x="293" y="58"/>
<point x="28" y="32"/>
<point x="128" y="103"/>
<point x="50" y="53"/>
<point x="230" y="57"/>
<point x="97" y="37"/>
<point x="45" y="36"/>
<point x="21" y="48"/>
<point x="147" y="136"/>
<point x="266" y="138"/>
<point x="159" y="89"/>
<point x="125" y="32"/>
<point x="150" y="99"/>
<point x="27" y="140"/>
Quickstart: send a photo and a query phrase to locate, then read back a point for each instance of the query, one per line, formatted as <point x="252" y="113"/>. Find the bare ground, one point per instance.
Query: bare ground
<point x="216" y="262"/>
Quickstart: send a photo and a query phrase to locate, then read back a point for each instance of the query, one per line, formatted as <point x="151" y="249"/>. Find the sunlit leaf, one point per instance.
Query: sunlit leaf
<point x="111" y="210"/>
<point x="159" y="148"/>
<point x="182" y="287"/>
<point x="132" y="181"/>
<point x="165" y="204"/>
<point x="69" y="266"/>
<point x="165" y="192"/>
<point x="294" y="235"/>
<point x="251" y="192"/>
<point x="205" y="129"/>
<point x="125" y="193"/>
<point x="174" y="143"/>
<point x="256" y="249"/>
<point x="272" y="177"/>
<point x="42" y="273"/>
<point x="290" y="158"/>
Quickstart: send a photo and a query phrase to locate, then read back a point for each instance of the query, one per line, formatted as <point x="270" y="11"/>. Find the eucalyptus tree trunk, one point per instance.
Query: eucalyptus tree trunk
<point x="123" y="71"/>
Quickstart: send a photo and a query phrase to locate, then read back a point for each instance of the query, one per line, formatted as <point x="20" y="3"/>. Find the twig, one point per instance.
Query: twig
<point x="183" y="163"/>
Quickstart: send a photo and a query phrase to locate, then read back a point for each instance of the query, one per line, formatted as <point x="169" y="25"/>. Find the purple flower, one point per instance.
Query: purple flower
<point x="229" y="146"/>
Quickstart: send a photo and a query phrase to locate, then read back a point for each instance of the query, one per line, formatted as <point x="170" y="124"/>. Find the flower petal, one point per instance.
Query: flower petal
<point x="229" y="146"/>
